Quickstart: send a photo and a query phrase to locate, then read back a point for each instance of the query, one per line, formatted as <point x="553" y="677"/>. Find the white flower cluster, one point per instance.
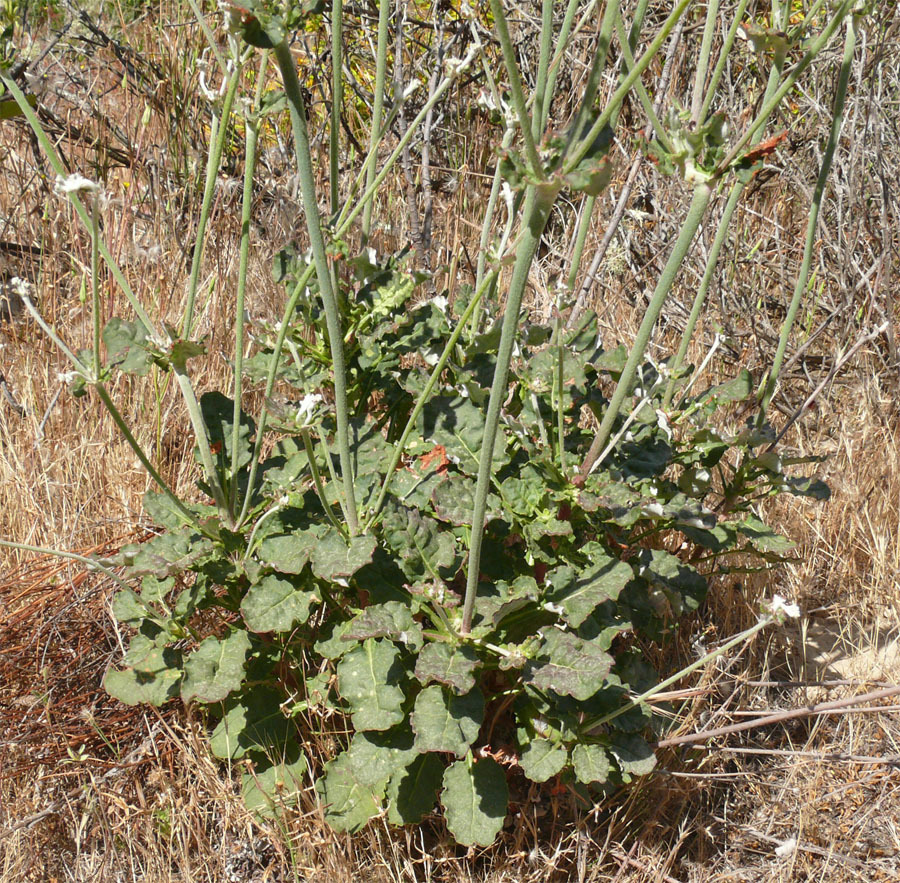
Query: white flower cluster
<point x="781" y="609"/>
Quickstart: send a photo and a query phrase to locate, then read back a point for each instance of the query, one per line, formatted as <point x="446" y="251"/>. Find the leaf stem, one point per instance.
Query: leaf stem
<point x="323" y="274"/>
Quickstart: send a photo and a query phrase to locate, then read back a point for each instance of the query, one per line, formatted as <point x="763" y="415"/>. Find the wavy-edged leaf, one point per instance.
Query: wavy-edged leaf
<point x="591" y="763"/>
<point x="168" y="554"/>
<point x="458" y="424"/>
<point x="392" y="619"/>
<point x="289" y="553"/>
<point x="349" y="803"/>
<point x="683" y="587"/>
<point x="369" y="679"/>
<point x="572" y="666"/>
<point x="216" y="667"/>
<point x="275" y="783"/>
<point x="335" y="559"/>
<point x="376" y="756"/>
<point x="580" y="592"/>
<point x="633" y="755"/>
<point x="443" y="721"/>
<point x="542" y="759"/>
<point x="449" y="665"/>
<point x="253" y="721"/>
<point x="154" y="676"/>
<point x="276" y="605"/>
<point x="425" y="551"/>
<point x="412" y="792"/>
<point x="475" y="801"/>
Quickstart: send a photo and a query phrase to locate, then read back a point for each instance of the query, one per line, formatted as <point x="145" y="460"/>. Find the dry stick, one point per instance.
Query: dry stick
<point x="780" y="716"/>
<point x="415" y="227"/>
<point x="625" y="196"/>
<point x="829" y="377"/>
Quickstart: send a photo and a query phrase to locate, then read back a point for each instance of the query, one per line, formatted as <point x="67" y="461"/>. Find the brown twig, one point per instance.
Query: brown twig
<point x="779" y="717"/>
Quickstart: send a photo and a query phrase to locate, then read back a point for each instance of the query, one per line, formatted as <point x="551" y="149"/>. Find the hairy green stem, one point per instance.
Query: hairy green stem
<point x="515" y="88"/>
<point x="578" y="153"/>
<point x="323" y="273"/>
<point x="542" y="96"/>
<point x="317" y="480"/>
<point x="213" y="163"/>
<point x="592" y="723"/>
<point x="93" y="563"/>
<point x="538" y="204"/>
<point x="592" y="86"/>
<point x="709" y="30"/>
<point x="721" y="61"/>
<point x="562" y="40"/>
<point x="384" y="16"/>
<point x="811" y="54"/>
<point x="425" y="394"/>
<point x="250" y="144"/>
<point x="95" y="279"/>
<point x="337" y="101"/>
<point x="291" y="305"/>
<point x="719" y="239"/>
<point x="348" y="215"/>
<point x="840" y="98"/>
<point x="696" y="212"/>
<point x="135" y="446"/>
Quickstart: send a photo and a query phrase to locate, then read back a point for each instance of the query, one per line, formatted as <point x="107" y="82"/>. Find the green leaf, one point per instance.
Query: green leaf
<point x="591" y="763"/>
<point x="682" y="586"/>
<point x="443" y="721"/>
<point x="276" y="783"/>
<point x="253" y="721"/>
<point x="126" y="346"/>
<point x="335" y="559"/>
<point x="475" y="800"/>
<point x="449" y="665"/>
<point x="426" y="551"/>
<point x="131" y="610"/>
<point x="349" y="804"/>
<point x="289" y="553"/>
<point x="761" y="536"/>
<point x="216" y="668"/>
<point x="542" y="759"/>
<point x="168" y="554"/>
<point x="412" y="792"/>
<point x="580" y="593"/>
<point x="369" y="677"/>
<point x="573" y="667"/>
<point x="458" y="425"/>
<point x="155" y="677"/>
<point x="807" y="487"/>
<point x="633" y="755"/>
<point x="376" y="756"/>
<point x="332" y="644"/>
<point x="276" y="605"/>
<point x="392" y="619"/>
<point x="218" y="417"/>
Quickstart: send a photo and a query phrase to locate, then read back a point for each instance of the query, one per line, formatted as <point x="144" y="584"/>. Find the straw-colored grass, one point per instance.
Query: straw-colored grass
<point x="91" y="790"/>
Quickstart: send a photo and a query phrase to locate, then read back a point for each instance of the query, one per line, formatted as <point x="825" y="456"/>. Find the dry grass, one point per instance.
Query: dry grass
<point x="92" y="791"/>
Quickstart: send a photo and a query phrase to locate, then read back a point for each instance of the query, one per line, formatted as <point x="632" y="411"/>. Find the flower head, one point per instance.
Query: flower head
<point x="75" y="184"/>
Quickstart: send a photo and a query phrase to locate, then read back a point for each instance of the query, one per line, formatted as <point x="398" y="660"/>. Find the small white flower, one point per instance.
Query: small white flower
<point x="67" y="377"/>
<point x="663" y="422"/>
<point x="410" y="88"/>
<point x="780" y="609"/>
<point x="788" y="847"/>
<point x="440" y="302"/>
<point x="75" y="184"/>
<point x="21" y="287"/>
<point x="307" y="409"/>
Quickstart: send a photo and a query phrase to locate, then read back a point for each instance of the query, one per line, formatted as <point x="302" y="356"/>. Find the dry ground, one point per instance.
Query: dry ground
<point x="90" y="790"/>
